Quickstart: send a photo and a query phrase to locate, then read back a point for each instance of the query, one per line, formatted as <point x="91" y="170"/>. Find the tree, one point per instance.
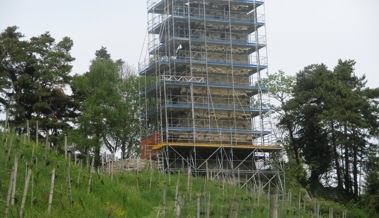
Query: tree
<point x="303" y="111"/>
<point x="34" y="75"/>
<point x="280" y="88"/>
<point x="353" y="121"/>
<point x="371" y="195"/>
<point x="330" y="119"/>
<point x="100" y="98"/>
<point x="109" y="105"/>
<point x="103" y="54"/>
<point x="124" y="130"/>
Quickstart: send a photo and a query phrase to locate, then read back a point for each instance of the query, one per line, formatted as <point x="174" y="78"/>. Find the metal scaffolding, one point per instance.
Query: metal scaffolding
<point x="203" y="105"/>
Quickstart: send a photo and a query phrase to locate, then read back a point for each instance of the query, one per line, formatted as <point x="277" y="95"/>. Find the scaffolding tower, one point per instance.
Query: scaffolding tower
<point x="203" y="107"/>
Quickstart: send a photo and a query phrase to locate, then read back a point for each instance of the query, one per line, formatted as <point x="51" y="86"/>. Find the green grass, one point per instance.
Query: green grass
<point x="128" y="194"/>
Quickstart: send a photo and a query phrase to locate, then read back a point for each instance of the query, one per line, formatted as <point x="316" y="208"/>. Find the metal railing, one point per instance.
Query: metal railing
<point x="182" y="78"/>
<point x="211" y="123"/>
<point x="195" y="56"/>
<point x="153" y="3"/>
<point x="210" y="15"/>
<point x="218" y="35"/>
<point x="156" y="20"/>
<point x="221" y="57"/>
<point x="222" y="14"/>
<point x="211" y="37"/>
<point x="214" y="101"/>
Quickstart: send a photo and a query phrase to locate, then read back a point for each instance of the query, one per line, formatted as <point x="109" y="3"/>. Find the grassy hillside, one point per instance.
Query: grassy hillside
<point x="134" y="194"/>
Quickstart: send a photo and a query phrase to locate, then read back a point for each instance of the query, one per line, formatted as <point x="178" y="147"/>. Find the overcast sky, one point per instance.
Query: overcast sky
<point x="300" y="32"/>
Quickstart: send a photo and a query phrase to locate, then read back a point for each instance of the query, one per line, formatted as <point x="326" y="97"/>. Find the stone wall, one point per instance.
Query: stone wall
<point x="129" y="165"/>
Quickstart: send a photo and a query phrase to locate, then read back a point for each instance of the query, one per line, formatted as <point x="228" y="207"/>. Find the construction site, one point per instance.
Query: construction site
<point x="203" y="107"/>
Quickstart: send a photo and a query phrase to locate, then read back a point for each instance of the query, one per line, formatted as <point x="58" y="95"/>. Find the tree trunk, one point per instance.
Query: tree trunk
<point x="336" y="158"/>
<point x="97" y="156"/>
<point x="347" y="177"/>
<point x="130" y="146"/>
<point x="355" y="169"/>
<point x="314" y="177"/>
<point x="123" y="149"/>
<point x="293" y="146"/>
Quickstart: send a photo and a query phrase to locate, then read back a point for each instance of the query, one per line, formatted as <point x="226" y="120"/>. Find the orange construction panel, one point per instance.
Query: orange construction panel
<point x="147" y="144"/>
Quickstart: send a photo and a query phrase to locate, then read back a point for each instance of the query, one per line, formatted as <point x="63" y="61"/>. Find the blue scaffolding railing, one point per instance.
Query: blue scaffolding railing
<point x="153" y="88"/>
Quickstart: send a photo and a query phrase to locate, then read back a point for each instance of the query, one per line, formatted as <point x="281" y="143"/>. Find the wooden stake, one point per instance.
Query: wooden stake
<point x="65" y="147"/>
<point x="10" y="187"/>
<point x="259" y="191"/>
<point x="151" y="179"/>
<point x="252" y="196"/>
<point x="269" y="197"/>
<point x="25" y="192"/>
<point x="108" y="166"/>
<point x="233" y="213"/>
<point x="150" y="162"/>
<point x="178" y="208"/>
<point x="6" y="126"/>
<point x="26" y="169"/>
<point x="189" y="179"/>
<point x="299" y="206"/>
<point x="209" y="206"/>
<point x="102" y="163"/>
<point x="198" y="207"/>
<point x="28" y="130"/>
<point x="87" y="161"/>
<point x="183" y="169"/>
<point x="37" y="132"/>
<point x="274" y="203"/>
<point x="246" y="189"/>
<point x="177" y="191"/>
<point x="51" y="191"/>
<point x="164" y="201"/>
<point x="330" y="212"/>
<point x="169" y="179"/>
<point x="80" y="173"/>
<point x="69" y="179"/>
<point x="223" y="187"/>
<point x="90" y="176"/>
<point x="9" y="148"/>
<point x="206" y="169"/>
<point x="14" y="183"/>
<point x="32" y="194"/>
<point x="112" y="170"/>
<point x="204" y="194"/>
